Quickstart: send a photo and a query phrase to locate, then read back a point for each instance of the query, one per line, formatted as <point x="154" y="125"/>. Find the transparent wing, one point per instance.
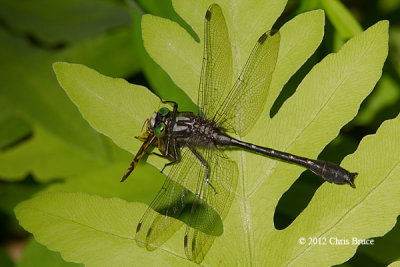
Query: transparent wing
<point x="211" y="204"/>
<point x="243" y="105"/>
<point x="216" y="73"/>
<point x="159" y="222"/>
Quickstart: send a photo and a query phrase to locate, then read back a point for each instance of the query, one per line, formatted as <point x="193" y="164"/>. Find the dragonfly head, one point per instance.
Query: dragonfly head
<point x="157" y="122"/>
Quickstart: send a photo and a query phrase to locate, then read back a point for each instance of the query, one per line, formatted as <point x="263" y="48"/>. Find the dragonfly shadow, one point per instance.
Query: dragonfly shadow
<point x="196" y="214"/>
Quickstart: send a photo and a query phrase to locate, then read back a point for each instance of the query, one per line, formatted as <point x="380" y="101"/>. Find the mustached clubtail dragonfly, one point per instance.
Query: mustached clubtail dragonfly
<point x="202" y="177"/>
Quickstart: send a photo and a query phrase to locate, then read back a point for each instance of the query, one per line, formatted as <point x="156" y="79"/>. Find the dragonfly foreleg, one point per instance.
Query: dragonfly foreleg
<point x="175" y="110"/>
<point x="204" y="162"/>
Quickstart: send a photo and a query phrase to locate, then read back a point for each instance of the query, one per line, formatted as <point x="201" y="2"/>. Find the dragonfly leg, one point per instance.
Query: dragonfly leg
<point x="175" y="107"/>
<point x="169" y="157"/>
<point x="204" y="162"/>
<point x="141" y="138"/>
<point x="158" y="154"/>
<point x="166" y="152"/>
<point x="174" y="157"/>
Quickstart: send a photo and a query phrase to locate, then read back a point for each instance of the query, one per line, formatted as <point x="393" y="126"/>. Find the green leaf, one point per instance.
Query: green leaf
<point x="61" y="143"/>
<point x="35" y="254"/>
<point x="13" y="193"/>
<point x="388" y="6"/>
<point x="113" y="107"/>
<point x="13" y="128"/>
<point x="103" y="229"/>
<point x="142" y="186"/>
<point x="47" y="156"/>
<point x="110" y="53"/>
<point x="308" y="5"/>
<point x="5" y="260"/>
<point x="327" y="98"/>
<point x="159" y="81"/>
<point x="341" y="18"/>
<point x="63" y="21"/>
<point x="30" y="90"/>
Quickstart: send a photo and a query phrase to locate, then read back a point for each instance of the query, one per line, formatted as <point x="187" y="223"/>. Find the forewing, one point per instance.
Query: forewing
<point x="216" y="73"/>
<point x="211" y="204"/>
<point x="244" y="103"/>
<point x="160" y="221"/>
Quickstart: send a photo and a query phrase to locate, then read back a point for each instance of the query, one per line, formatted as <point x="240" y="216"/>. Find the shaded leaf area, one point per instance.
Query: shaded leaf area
<point x="79" y="20"/>
<point x="342" y="19"/>
<point x="31" y="93"/>
<point x="4" y="259"/>
<point x="36" y="254"/>
<point x="11" y="234"/>
<point x="13" y="129"/>
<point x="13" y="193"/>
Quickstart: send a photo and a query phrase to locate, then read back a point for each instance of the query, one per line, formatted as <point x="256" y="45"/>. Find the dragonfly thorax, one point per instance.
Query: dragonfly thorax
<point x="195" y="130"/>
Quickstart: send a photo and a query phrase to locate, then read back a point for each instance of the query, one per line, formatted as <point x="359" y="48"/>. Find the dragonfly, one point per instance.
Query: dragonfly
<point x="202" y="178"/>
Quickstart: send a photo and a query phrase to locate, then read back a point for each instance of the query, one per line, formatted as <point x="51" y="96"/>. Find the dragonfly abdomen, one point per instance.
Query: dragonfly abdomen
<point x="328" y="171"/>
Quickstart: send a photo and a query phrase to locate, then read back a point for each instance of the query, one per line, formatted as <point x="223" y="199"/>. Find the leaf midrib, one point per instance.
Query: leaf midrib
<point x="246" y="213"/>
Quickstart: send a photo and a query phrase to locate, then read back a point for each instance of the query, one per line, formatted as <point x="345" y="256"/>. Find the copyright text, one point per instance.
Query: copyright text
<point x="334" y="241"/>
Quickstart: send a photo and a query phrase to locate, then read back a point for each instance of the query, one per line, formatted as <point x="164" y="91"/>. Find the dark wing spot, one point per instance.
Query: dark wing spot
<point x="138" y="227"/>
<point x="208" y="15"/>
<point x="262" y="38"/>
<point x="185" y="241"/>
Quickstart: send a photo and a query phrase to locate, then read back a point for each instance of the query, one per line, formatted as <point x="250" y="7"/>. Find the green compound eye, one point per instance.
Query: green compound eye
<point x="159" y="131"/>
<point x="163" y="111"/>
